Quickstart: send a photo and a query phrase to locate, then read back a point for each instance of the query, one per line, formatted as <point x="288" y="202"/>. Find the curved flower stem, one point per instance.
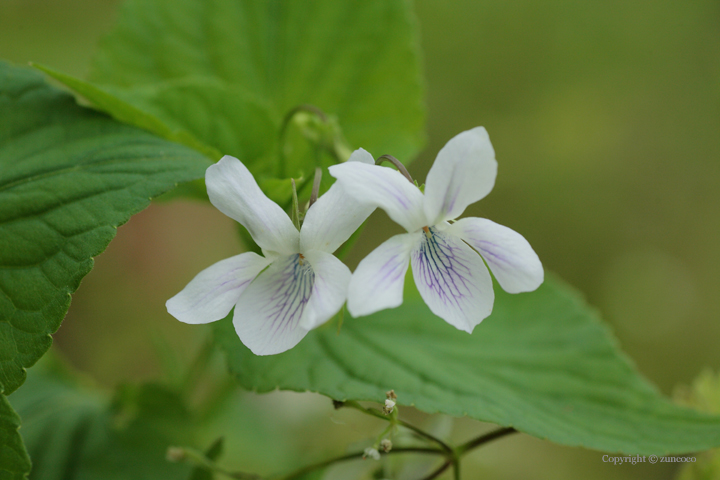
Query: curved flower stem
<point x="376" y="413"/>
<point x="286" y="121"/>
<point x="397" y="163"/>
<point x="299" y="473"/>
<point x="482" y="439"/>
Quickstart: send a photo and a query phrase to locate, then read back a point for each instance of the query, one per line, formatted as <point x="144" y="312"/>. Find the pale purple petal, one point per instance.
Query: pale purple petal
<point x="331" y="220"/>
<point x="233" y="190"/>
<point x="268" y="313"/>
<point x="212" y="293"/>
<point x="463" y="173"/>
<point x="329" y="290"/>
<point x="385" y="188"/>
<point x="378" y="281"/>
<point x="452" y="279"/>
<point x="510" y="257"/>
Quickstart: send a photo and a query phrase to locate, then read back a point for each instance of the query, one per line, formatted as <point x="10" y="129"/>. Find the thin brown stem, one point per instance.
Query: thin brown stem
<point x="456" y="468"/>
<point x="401" y="168"/>
<point x="439" y="471"/>
<point x="426" y="435"/>
<point x="378" y="414"/>
<point x="482" y="439"/>
<point x="351" y="456"/>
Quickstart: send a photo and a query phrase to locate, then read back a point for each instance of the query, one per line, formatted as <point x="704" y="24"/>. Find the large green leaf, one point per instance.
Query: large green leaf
<point x="73" y="431"/>
<point x="127" y="113"/>
<point x="14" y="459"/>
<point x="68" y="178"/>
<point x="228" y="71"/>
<point x="542" y="363"/>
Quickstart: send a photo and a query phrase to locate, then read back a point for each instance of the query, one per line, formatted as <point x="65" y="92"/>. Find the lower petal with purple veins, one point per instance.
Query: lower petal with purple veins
<point x="510" y="257"/>
<point x="329" y="289"/>
<point x="452" y="279"/>
<point x="213" y="292"/>
<point x="377" y="283"/>
<point x="268" y="314"/>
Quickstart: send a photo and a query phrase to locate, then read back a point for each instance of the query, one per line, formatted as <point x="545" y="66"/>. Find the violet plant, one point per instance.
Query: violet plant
<point x="257" y="107"/>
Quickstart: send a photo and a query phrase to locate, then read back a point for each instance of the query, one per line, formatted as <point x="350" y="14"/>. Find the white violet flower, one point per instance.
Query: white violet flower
<point x="296" y="286"/>
<point x="450" y="276"/>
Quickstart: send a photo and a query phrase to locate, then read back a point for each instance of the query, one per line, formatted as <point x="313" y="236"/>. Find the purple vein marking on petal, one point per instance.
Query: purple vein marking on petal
<point x="441" y="268"/>
<point x="392" y="190"/>
<point x="492" y="253"/>
<point x="478" y="244"/>
<point x="287" y="303"/>
<point x="394" y="193"/>
<point x="231" y="277"/>
<point x="450" y="203"/>
<point x="392" y="270"/>
<point x="449" y="200"/>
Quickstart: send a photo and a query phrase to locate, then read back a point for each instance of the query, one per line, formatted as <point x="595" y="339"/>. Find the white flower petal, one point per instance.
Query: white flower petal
<point x="335" y="216"/>
<point x="331" y="220"/>
<point x="463" y="173"/>
<point x="267" y="315"/>
<point x="510" y="257"/>
<point x="377" y="283"/>
<point x="453" y="280"/>
<point x="212" y="293"/>
<point x="329" y="290"/>
<point x="363" y="156"/>
<point x="233" y="190"/>
<point x="385" y="188"/>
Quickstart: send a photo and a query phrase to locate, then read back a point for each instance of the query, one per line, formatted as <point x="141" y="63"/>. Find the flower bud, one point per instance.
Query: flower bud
<point x="386" y="445"/>
<point x="372" y="453"/>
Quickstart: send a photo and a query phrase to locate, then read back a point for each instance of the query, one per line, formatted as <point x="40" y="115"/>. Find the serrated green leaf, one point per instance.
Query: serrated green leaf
<point x="14" y="459"/>
<point x="69" y="177"/>
<point x="229" y="71"/>
<point x="73" y="431"/>
<point x="129" y="114"/>
<point x="542" y="363"/>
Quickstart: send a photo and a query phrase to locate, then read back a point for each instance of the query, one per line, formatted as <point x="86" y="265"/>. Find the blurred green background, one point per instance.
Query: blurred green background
<point x="605" y="117"/>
